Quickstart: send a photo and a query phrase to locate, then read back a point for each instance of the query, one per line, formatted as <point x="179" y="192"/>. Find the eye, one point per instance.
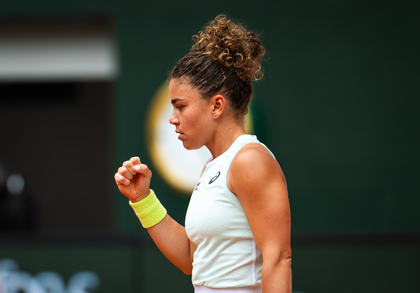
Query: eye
<point x="179" y="107"/>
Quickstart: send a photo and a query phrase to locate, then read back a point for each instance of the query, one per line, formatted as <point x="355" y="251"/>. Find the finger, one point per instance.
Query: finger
<point x="124" y="172"/>
<point x="135" y="161"/>
<point x="130" y="167"/>
<point x="144" y="170"/>
<point x="121" y="180"/>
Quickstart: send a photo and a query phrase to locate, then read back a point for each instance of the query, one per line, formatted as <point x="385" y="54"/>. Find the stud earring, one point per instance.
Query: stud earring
<point x="215" y="115"/>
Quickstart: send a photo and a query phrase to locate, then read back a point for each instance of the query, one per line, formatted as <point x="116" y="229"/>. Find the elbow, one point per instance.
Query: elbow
<point x="286" y="257"/>
<point x="277" y="266"/>
<point x="282" y="258"/>
<point x="288" y="261"/>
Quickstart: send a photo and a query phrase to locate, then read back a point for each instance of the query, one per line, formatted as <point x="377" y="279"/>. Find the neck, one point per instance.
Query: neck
<point x="225" y="135"/>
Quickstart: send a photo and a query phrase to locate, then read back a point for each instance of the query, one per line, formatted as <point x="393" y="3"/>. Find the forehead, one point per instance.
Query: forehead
<point x="180" y="88"/>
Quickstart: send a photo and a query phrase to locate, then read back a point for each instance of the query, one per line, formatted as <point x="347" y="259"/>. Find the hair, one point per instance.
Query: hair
<point x="225" y="59"/>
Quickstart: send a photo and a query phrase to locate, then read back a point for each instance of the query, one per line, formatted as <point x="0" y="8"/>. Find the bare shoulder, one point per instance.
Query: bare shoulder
<point x="254" y="166"/>
<point x="256" y="159"/>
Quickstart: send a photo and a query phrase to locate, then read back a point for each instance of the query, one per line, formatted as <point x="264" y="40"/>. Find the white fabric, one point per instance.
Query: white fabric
<point x="226" y="255"/>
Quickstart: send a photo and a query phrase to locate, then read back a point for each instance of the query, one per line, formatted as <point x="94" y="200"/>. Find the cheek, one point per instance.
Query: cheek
<point x="198" y="116"/>
<point x="202" y="121"/>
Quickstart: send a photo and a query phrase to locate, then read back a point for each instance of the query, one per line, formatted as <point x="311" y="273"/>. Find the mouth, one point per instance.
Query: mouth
<point x="180" y="134"/>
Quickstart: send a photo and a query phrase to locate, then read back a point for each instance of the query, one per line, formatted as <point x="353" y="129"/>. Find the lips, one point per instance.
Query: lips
<point x="180" y="134"/>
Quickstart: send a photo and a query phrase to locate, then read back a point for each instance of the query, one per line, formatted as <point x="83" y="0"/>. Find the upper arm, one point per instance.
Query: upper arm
<point x="257" y="180"/>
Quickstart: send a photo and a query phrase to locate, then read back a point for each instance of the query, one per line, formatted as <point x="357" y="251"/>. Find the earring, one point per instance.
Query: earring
<point x="215" y="115"/>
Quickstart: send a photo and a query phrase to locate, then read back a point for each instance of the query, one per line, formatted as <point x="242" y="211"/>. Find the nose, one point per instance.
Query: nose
<point x="173" y="119"/>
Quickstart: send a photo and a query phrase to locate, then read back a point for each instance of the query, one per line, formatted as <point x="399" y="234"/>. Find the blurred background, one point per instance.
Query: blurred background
<point x="338" y="106"/>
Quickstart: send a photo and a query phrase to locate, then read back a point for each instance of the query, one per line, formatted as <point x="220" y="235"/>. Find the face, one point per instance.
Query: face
<point x="191" y="115"/>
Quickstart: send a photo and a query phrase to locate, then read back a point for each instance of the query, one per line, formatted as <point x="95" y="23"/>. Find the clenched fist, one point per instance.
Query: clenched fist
<point x="133" y="179"/>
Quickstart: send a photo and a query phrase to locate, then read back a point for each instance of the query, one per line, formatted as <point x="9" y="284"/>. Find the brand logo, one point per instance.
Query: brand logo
<point x="196" y="187"/>
<point x="214" y="178"/>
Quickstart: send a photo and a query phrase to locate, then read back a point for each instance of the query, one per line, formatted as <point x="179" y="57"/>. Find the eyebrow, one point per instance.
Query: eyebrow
<point x="176" y="100"/>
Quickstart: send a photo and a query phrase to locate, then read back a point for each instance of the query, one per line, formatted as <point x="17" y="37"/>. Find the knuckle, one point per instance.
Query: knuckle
<point x="118" y="178"/>
<point x="122" y="180"/>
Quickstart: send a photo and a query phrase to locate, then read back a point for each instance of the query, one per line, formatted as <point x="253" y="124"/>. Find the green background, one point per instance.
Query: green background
<point x="135" y="266"/>
<point x="338" y="106"/>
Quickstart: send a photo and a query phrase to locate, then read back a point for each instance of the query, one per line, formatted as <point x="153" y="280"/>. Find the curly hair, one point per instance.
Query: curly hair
<point x="225" y="59"/>
<point x="232" y="46"/>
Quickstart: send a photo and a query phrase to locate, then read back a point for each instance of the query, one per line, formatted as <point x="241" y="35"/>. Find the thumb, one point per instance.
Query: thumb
<point x="143" y="170"/>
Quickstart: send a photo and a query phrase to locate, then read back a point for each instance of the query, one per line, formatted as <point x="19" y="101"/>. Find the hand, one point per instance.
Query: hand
<point x="133" y="179"/>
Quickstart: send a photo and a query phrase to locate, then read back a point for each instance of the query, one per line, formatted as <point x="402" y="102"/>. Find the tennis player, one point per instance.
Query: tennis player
<point x="237" y="228"/>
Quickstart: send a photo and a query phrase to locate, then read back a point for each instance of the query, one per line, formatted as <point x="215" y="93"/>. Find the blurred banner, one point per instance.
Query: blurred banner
<point x="57" y="49"/>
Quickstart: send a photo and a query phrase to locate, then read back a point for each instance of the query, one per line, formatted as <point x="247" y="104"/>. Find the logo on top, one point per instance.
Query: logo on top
<point x="196" y="187"/>
<point x="214" y="177"/>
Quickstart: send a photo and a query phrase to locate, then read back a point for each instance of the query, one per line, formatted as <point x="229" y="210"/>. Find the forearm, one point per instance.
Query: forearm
<point x="276" y="277"/>
<point x="170" y="237"/>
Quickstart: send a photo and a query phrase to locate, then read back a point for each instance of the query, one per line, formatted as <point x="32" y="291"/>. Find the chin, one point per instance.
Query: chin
<point x="190" y="147"/>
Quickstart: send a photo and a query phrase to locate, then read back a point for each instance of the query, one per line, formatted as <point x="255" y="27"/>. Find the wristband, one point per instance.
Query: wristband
<point x="149" y="210"/>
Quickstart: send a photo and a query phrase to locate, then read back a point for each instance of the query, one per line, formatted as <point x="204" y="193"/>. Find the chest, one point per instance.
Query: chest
<point x="214" y="210"/>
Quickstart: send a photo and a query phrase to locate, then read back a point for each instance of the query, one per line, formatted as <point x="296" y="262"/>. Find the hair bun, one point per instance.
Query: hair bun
<point x="233" y="46"/>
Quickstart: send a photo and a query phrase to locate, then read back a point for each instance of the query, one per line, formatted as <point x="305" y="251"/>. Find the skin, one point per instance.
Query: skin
<point x="212" y="123"/>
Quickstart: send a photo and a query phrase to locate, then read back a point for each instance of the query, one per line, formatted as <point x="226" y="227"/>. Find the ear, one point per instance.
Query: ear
<point x="219" y="105"/>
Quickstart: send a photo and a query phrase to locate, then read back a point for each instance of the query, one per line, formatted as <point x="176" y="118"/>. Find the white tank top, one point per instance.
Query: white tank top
<point x="226" y="255"/>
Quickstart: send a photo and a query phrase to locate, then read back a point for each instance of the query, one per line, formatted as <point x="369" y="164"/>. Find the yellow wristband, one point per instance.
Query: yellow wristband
<point x="149" y="210"/>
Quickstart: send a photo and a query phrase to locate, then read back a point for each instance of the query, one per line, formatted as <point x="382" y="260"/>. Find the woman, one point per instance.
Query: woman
<point x="237" y="229"/>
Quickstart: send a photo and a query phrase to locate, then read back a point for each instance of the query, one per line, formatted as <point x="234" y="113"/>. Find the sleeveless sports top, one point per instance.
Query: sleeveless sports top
<point x="226" y="255"/>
